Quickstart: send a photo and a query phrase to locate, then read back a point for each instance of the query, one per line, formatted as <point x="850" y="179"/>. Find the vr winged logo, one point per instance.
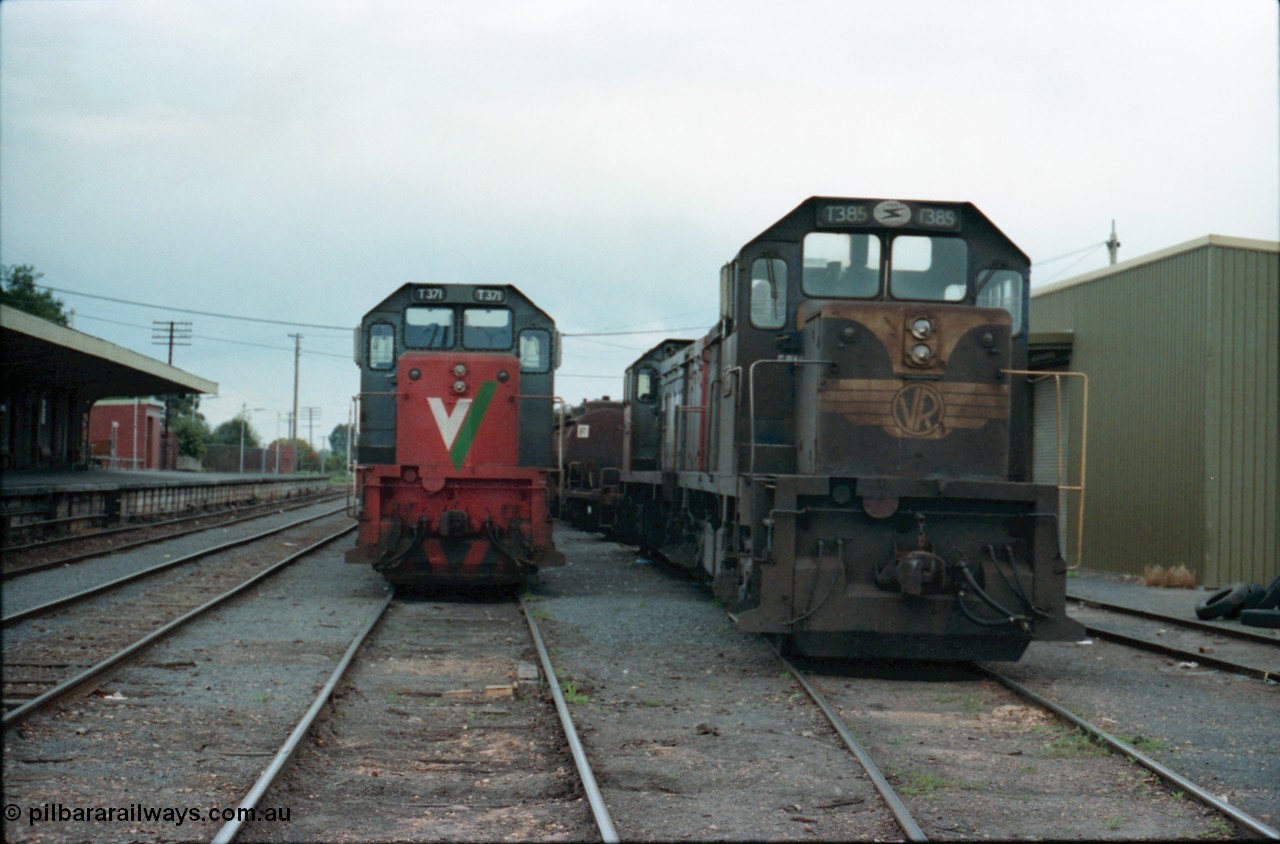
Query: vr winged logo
<point x="458" y="427"/>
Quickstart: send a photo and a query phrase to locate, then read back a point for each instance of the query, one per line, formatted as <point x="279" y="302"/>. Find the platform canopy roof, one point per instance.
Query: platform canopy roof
<point x="36" y="351"/>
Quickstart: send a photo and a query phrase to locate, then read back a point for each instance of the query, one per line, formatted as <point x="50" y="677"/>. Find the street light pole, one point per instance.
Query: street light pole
<point x="244" y="419"/>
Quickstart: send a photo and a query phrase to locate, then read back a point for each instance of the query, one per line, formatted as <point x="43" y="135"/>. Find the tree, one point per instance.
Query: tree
<point x="338" y="440"/>
<point x="19" y="291"/>
<point x="188" y="424"/>
<point x="229" y="433"/>
<point x="192" y="433"/>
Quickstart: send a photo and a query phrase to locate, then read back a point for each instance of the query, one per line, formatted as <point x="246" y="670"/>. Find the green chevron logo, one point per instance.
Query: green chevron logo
<point x="458" y="427"/>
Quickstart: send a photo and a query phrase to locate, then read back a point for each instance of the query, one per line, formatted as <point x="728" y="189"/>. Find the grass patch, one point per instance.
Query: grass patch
<point x="1074" y="743"/>
<point x="571" y="693"/>
<point x="1146" y="745"/>
<point x="1218" y="829"/>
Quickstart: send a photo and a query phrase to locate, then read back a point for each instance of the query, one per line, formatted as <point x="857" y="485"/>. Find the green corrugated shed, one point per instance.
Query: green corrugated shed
<point x="1182" y="351"/>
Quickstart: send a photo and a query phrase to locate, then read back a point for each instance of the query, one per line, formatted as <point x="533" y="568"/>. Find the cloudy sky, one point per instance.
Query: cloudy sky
<point x="297" y="161"/>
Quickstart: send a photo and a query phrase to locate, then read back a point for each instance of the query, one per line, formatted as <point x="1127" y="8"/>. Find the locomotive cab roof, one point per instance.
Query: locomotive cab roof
<point x="830" y="213"/>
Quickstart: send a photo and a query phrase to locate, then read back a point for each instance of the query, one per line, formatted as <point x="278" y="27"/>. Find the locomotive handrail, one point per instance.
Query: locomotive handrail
<point x="564" y="411"/>
<point x="751" y="401"/>
<point x="1039" y="375"/>
<point x="353" y="435"/>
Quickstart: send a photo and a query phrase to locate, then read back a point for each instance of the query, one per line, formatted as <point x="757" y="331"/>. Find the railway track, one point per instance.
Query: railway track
<point x="1224" y="646"/>
<point x="29" y="606"/>
<point x="32" y="557"/>
<point x="182" y="718"/>
<point x="46" y="662"/>
<point x="915" y="782"/>
<point x="455" y="750"/>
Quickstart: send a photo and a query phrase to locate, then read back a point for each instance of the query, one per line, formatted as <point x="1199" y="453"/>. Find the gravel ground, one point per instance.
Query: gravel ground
<point x="1219" y="730"/>
<point x="693" y="729"/>
<point x="694" y="734"/>
<point x="189" y="723"/>
<point x="428" y="739"/>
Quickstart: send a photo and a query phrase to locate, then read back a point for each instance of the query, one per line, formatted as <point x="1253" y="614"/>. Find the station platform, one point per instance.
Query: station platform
<point x="38" y="504"/>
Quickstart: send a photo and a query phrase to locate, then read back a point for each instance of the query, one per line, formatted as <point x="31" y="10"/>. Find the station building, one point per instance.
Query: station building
<point x="128" y="434"/>
<point x="52" y="377"/>
<point x="1180" y="451"/>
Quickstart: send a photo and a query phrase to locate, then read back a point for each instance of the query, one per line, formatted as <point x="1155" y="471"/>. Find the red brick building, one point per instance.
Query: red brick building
<point x="126" y="433"/>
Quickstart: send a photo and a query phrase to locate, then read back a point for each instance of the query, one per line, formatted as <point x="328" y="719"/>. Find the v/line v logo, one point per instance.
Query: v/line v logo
<point x="458" y="427"/>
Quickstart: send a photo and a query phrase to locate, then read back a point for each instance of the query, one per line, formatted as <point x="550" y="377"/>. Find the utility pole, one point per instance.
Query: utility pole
<point x="171" y="333"/>
<point x="297" y="354"/>
<point x="176" y="334"/>
<point x="312" y="414"/>
<point x="1113" y="245"/>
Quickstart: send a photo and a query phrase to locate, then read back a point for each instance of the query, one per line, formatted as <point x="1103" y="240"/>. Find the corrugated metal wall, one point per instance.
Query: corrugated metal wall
<point x="1242" y="418"/>
<point x="1182" y="456"/>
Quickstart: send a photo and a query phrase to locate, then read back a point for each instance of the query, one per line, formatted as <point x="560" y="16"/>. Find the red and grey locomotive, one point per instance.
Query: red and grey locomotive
<point x="589" y="450"/>
<point x="846" y="454"/>
<point x="454" y="436"/>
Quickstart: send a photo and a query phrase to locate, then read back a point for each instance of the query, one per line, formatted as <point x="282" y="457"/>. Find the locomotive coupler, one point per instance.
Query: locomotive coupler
<point x="454" y="523"/>
<point x="916" y="572"/>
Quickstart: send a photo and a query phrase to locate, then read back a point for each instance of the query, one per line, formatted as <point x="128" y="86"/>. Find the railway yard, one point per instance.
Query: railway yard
<point x="244" y="664"/>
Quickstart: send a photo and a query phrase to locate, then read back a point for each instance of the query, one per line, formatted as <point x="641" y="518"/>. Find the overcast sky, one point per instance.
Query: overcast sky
<point x="298" y="161"/>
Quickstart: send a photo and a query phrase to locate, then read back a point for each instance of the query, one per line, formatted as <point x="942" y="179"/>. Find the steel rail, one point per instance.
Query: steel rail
<point x="891" y="799"/>
<point x="601" y="813"/>
<point x="1169" y="650"/>
<point x="66" y="600"/>
<point x="1193" y="624"/>
<point x="239" y="518"/>
<point x="19" y="714"/>
<point x="1168" y="775"/>
<point x="112" y="531"/>
<point x="248" y="806"/>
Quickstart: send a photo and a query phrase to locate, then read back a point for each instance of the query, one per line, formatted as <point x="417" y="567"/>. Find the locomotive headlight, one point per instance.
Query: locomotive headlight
<point x="921" y="355"/>
<point x="459" y="371"/>
<point x="459" y="386"/>
<point x="987" y="339"/>
<point x="921" y="329"/>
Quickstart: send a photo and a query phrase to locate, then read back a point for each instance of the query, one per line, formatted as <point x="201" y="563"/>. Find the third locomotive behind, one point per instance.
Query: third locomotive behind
<point x="846" y="454"/>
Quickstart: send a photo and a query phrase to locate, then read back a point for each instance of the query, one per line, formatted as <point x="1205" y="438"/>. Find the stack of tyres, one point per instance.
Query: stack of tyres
<point x="1250" y="602"/>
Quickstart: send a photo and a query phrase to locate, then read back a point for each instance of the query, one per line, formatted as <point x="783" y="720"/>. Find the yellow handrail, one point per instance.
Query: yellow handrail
<point x="1040" y="375"/>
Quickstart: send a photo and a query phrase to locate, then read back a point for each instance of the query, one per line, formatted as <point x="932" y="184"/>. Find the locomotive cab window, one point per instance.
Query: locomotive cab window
<point x="840" y="265"/>
<point x="382" y="346"/>
<point x="428" y="328"/>
<point x="535" y="350"/>
<point x="486" y="329"/>
<point x="930" y="268"/>
<point x="768" y="292"/>
<point x="1002" y="289"/>
<point x="646" y="384"/>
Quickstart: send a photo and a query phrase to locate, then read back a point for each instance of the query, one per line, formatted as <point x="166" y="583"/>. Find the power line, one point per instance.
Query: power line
<point x="625" y="333"/>
<point x="215" y="339"/>
<point x="1088" y="248"/>
<point x="1092" y="249"/>
<point x="192" y="311"/>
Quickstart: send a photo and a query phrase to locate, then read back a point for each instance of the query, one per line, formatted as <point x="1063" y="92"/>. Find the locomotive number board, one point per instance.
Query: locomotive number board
<point x="428" y="294"/>
<point x="890" y="213"/>
<point x="490" y="295"/>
